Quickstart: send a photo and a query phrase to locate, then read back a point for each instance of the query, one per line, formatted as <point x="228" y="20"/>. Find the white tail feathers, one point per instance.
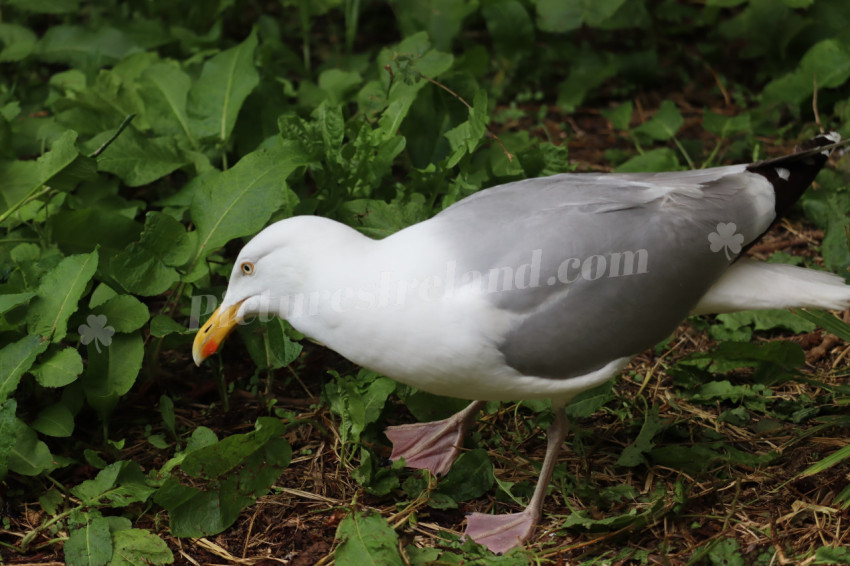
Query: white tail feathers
<point x="753" y="285"/>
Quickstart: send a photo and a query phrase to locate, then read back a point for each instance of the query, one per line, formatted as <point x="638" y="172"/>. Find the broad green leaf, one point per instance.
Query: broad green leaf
<point x="8" y="302"/>
<point x="163" y="325"/>
<point x="366" y="538"/>
<point x="58" y="294"/>
<point x="724" y="126"/>
<point x="15" y="359"/>
<point x="196" y="512"/>
<point x="138" y="547"/>
<point x="125" y="313"/>
<point x="90" y="545"/>
<point x="29" y="456"/>
<point x="226" y="81"/>
<point x="81" y="231"/>
<point x="588" y="70"/>
<point x="827" y="62"/>
<point x="8" y="433"/>
<point x="137" y="159"/>
<point x="240" y="201"/>
<point x="378" y="219"/>
<point x="620" y="116"/>
<point x="828" y="322"/>
<point x="338" y="84"/>
<point x="166" y="238"/>
<point x="112" y="372"/>
<point x="633" y="454"/>
<point x="664" y="124"/>
<point x="654" y="160"/>
<point x="590" y="401"/>
<point x="165" y="89"/>
<point x="117" y="485"/>
<point x="59" y="369"/>
<point x="218" y="459"/>
<point x="77" y="45"/>
<point x="471" y="476"/>
<point x="466" y="137"/>
<point x="509" y="24"/>
<point x="46" y="6"/>
<point x="22" y="179"/>
<point x="18" y="42"/>
<point x="559" y="16"/>
<point x="766" y="320"/>
<point x="55" y="420"/>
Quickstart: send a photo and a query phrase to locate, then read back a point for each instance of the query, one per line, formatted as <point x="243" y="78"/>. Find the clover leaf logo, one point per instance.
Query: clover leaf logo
<point x="726" y="238"/>
<point x="96" y="330"/>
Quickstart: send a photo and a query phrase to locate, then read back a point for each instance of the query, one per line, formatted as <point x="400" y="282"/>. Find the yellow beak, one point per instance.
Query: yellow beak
<point x="213" y="333"/>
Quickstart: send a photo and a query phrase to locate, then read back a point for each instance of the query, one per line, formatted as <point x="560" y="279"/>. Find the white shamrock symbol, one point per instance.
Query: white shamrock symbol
<point x="96" y="330"/>
<point x="726" y="238"/>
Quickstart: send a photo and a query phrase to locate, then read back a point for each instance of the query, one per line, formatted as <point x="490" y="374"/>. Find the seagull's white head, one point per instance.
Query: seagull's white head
<point x="269" y="271"/>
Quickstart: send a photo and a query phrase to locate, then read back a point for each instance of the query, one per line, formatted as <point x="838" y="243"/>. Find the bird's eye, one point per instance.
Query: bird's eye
<point x="247" y="268"/>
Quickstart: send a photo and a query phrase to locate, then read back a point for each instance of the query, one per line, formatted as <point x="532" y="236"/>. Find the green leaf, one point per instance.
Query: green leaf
<point x="138" y="547"/>
<point x="471" y="476"/>
<point x="620" y="116"/>
<point x="725" y="126"/>
<point x="240" y="201"/>
<point x="366" y="538"/>
<point x="46" y="6"/>
<point x="218" y="459"/>
<point x="8" y="302"/>
<point x="654" y="160"/>
<point x="15" y="359"/>
<point x="90" y="545"/>
<point x="111" y="373"/>
<point x="138" y="160"/>
<point x="766" y="320"/>
<point x="165" y="90"/>
<point x="29" y="456"/>
<point x="162" y="325"/>
<point x="378" y="219"/>
<point x="58" y="294"/>
<point x="22" y="179"/>
<point x="55" y="420"/>
<point x="827" y="62"/>
<point x="125" y="313"/>
<point x="590" y="401"/>
<point x="8" y="428"/>
<point x="560" y="16"/>
<point x="836" y="457"/>
<point x="239" y="482"/>
<point x="77" y="46"/>
<point x="509" y="24"/>
<point x="589" y="69"/>
<point x="828" y="322"/>
<point x="18" y="42"/>
<point x="664" y="125"/>
<point x="117" y="485"/>
<point x="633" y="454"/>
<point x="226" y="81"/>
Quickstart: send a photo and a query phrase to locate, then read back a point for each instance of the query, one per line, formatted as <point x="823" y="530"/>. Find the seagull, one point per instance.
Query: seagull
<point x="536" y="289"/>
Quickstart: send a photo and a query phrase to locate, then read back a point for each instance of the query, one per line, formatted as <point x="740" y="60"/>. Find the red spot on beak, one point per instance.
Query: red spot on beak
<point x="210" y="348"/>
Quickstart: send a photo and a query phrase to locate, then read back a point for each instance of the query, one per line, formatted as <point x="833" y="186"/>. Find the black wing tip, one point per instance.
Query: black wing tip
<point x="790" y="175"/>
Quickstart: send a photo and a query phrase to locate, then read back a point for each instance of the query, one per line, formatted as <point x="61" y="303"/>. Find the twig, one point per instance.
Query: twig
<point x="113" y="137"/>
<point x="815" y="102"/>
<point x="490" y="132"/>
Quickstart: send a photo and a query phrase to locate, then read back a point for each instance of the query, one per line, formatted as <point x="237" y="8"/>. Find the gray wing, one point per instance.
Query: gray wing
<point x="613" y="263"/>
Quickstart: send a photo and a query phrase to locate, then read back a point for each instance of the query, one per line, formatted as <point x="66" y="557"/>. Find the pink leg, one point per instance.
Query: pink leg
<point x="501" y="533"/>
<point x="432" y="446"/>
